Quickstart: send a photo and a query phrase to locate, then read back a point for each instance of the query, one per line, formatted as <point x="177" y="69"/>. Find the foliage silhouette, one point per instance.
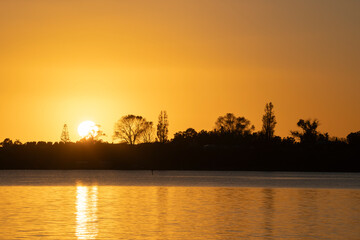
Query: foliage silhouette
<point x="7" y="142"/>
<point x="130" y="129"/>
<point x="269" y="121"/>
<point x="354" y="138"/>
<point x="188" y="154"/>
<point x="65" y="134"/>
<point x="230" y="146"/>
<point x="163" y="127"/>
<point x="187" y="136"/>
<point x="230" y="124"/>
<point x="309" y="133"/>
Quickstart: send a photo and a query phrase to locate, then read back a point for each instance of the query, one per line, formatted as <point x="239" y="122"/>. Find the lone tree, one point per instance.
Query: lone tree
<point x="130" y="128"/>
<point x="162" y="127"/>
<point x="269" y="121"/>
<point x="65" y="134"/>
<point x="309" y="133"/>
<point x="229" y="123"/>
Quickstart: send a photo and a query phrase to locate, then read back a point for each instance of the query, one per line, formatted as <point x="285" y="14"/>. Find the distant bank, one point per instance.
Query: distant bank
<point x="156" y="156"/>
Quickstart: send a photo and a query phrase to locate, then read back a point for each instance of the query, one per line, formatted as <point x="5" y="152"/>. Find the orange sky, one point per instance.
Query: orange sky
<point x="70" y="61"/>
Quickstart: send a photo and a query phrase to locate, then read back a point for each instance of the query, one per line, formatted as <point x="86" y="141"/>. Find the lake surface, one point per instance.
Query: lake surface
<point x="178" y="205"/>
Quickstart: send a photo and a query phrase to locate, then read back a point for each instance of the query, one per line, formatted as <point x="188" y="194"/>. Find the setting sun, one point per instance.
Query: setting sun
<point x="179" y="119"/>
<point x="88" y="128"/>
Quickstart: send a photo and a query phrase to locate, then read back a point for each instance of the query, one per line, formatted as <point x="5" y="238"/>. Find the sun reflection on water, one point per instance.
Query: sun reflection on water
<point x="86" y="212"/>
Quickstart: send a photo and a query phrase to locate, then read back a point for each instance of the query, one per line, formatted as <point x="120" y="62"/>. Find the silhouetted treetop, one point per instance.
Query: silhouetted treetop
<point x="65" y="134"/>
<point x="229" y="123"/>
<point x="354" y="138"/>
<point x="163" y="127"/>
<point x="186" y="136"/>
<point x="269" y="121"/>
<point x="7" y="142"/>
<point x="130" y="129"/>
<point x="309" y="133"/>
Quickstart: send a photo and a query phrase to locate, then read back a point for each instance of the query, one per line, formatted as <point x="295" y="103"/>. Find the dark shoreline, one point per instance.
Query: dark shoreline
<point x="155" y="156"/>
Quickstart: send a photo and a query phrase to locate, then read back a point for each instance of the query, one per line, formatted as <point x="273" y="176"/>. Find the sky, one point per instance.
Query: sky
<point x="65" y="61"/>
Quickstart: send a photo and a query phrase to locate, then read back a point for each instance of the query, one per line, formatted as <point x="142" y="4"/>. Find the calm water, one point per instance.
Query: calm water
<point x="178" y="205"/>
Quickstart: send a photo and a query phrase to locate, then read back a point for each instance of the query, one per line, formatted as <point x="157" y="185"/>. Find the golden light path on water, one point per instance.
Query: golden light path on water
<point x="86" y="212"/>
<point x="90" y="207"/>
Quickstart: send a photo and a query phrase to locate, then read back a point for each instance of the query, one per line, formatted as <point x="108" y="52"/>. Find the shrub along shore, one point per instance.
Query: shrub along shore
<point x="282" y="156"/>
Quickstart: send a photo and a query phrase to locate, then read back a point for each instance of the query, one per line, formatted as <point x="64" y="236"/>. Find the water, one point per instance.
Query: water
<point x="178" y="205"/>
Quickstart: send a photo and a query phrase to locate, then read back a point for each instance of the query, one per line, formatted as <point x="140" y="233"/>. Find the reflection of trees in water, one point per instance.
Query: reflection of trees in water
<point x="86" y="212"/>
<point x="162" y="212"/>
<point x="308" y="211"/>
<point x="268" y="205"/>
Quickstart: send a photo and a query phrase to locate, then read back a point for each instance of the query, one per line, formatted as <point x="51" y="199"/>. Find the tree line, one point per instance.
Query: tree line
<point x="233" y="144"/>
<point x="229" y="129"/>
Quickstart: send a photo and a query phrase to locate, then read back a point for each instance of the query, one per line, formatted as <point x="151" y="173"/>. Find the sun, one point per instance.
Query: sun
<point x="88" y="129"/>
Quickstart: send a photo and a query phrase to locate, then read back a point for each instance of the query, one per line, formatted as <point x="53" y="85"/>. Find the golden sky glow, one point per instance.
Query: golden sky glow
<point x="72" y="61"/>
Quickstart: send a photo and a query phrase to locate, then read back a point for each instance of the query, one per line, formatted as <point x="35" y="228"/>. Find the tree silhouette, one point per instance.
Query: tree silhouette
<point x="229" y="123"/>
<point x="7" y="142"/>
<point x="309" y="133"/>
<point x="162" y="127"/>
<point x="269" y="121"/>
<point x="65" y="134"/>
<point x="354" y="138"/>
<point x="186" y="136"/>
<point x="130" y="128"/>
